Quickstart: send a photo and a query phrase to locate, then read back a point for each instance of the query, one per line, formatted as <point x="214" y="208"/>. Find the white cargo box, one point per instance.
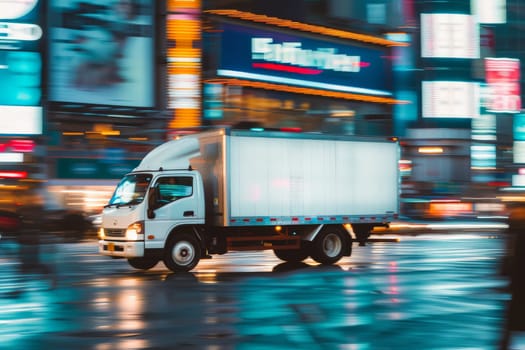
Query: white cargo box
<point x="273" y="178"/>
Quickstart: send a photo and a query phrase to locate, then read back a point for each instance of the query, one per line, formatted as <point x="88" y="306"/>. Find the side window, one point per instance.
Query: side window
<point x="172" y="188"/>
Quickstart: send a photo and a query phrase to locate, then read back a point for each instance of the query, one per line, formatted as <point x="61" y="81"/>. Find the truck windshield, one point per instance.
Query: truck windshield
<point x="131" y="189"/>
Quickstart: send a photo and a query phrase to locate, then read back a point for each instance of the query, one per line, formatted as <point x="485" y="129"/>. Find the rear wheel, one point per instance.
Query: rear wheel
<point x="183" y="253"/>
<point x="329" y="246"/>
<point x="143" y="263"/>
<point x="292" y="255"/>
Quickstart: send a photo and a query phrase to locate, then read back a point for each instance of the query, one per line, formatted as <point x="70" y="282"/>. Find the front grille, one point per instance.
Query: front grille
<point x="115" y="232"/>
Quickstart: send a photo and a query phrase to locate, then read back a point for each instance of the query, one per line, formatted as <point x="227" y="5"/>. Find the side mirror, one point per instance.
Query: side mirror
<point x="151" y="213"/>
<point x="152" y="201"/>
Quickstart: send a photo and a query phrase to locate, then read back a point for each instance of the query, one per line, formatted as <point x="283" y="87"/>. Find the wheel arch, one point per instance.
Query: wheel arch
<point x="193" y="230"/>
<point x="314" y="232"/>
<point x="187" y="229"/>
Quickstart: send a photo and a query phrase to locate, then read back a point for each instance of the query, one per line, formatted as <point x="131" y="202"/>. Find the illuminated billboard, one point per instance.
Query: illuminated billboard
<point x="450" y="99"/>
<point x="503" y="84"/>
<point x="101" y="52"/>
<point x="295" y="59"/>
<point x="489" y="11"/>
<point x="447" y="35"/>
<point x="20" y="68"/>
<point x="20" y="120"/>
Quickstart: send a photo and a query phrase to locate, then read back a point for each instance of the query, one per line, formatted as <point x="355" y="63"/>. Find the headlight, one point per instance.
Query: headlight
<point x="101" y="233"/>
<point x="134" y="231"/>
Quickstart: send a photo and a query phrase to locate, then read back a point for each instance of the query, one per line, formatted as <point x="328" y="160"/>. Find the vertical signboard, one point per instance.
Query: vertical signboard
<point x="519" y="139"/>
<point x="483" y="155"/>
<point x="183" y="28"/>
<point x="20" y="68"/>
<point x="518" y="150"/>
<point x="503" y="79"/>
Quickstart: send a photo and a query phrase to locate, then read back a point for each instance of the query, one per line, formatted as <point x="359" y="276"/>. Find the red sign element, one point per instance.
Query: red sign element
<point x="502" y="70"/>
<point x="503" y="78"/>
<point x="286" y="68"/>
<point x="13" y="174"/>
<point x="18" y="145"/>
<point x="295" y="69"/>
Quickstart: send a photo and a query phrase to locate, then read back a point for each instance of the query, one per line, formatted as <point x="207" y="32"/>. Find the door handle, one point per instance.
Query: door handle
<point x="188" y="213"/>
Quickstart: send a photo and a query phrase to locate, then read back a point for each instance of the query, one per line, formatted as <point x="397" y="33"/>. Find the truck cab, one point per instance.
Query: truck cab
<point x="145" y="208"/>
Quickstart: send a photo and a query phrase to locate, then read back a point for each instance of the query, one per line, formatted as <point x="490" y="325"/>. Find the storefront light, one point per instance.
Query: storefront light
<point x="430" y="150"/>
<point x="306" y="91"/>
<point x="11" y="157"/>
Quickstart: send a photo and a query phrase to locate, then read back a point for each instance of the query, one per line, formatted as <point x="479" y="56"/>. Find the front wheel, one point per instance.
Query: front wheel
<point x="143" y="263"/>
<point x="329" y="246"/>
<point x="183" y="253"/>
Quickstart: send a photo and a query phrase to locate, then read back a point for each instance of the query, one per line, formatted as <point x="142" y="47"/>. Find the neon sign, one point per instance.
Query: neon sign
<point x="183" y="32"/>
<point x="286" y="68"/>
<point x="18" y="145"/>
<point x="13" y="174"/>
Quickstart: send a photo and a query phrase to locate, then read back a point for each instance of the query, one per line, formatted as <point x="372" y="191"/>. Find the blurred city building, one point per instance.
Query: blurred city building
<point x="94" y="85"/>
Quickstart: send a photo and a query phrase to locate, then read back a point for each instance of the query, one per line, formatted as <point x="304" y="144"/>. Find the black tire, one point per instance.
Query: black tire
<point x="143" y="263"/>
<point x="292" y="255"/>
<point x="329" y="245"/>
<point x="182" y="253"/>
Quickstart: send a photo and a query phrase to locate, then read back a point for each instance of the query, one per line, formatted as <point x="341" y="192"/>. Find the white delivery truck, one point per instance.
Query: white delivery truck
<point x="223" y="190"/>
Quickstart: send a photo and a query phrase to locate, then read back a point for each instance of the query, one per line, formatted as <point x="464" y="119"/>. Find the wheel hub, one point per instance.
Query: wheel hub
<point x="183" y="253"/>
<point x="332" y="245"/>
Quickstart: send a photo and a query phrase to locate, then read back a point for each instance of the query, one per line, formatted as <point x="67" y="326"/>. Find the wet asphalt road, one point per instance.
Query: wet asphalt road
<point x="430" y="291"/>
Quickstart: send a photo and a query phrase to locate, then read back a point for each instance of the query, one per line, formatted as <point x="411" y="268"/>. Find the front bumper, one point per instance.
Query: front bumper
<point x="122" y="249"/>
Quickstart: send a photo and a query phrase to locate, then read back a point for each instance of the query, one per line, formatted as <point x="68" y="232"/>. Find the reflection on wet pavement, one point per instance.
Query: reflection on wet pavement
<point x="418" y="293"/>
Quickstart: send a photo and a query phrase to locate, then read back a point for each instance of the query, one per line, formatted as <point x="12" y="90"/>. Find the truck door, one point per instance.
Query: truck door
<point x="176" y="204"/>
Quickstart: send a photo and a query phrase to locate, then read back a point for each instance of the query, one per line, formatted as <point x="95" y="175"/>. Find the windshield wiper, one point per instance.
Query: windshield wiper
<point x="130" y="203"/>
<point x="112" y="204"/>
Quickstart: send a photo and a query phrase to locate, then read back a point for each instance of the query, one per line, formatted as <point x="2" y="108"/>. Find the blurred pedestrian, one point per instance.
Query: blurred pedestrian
<point x="515" y="264"/>
<point x="30" y="239"/>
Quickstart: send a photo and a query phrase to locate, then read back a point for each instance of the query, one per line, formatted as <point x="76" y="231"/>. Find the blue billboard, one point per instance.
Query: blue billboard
<point x="301" y="60"/>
